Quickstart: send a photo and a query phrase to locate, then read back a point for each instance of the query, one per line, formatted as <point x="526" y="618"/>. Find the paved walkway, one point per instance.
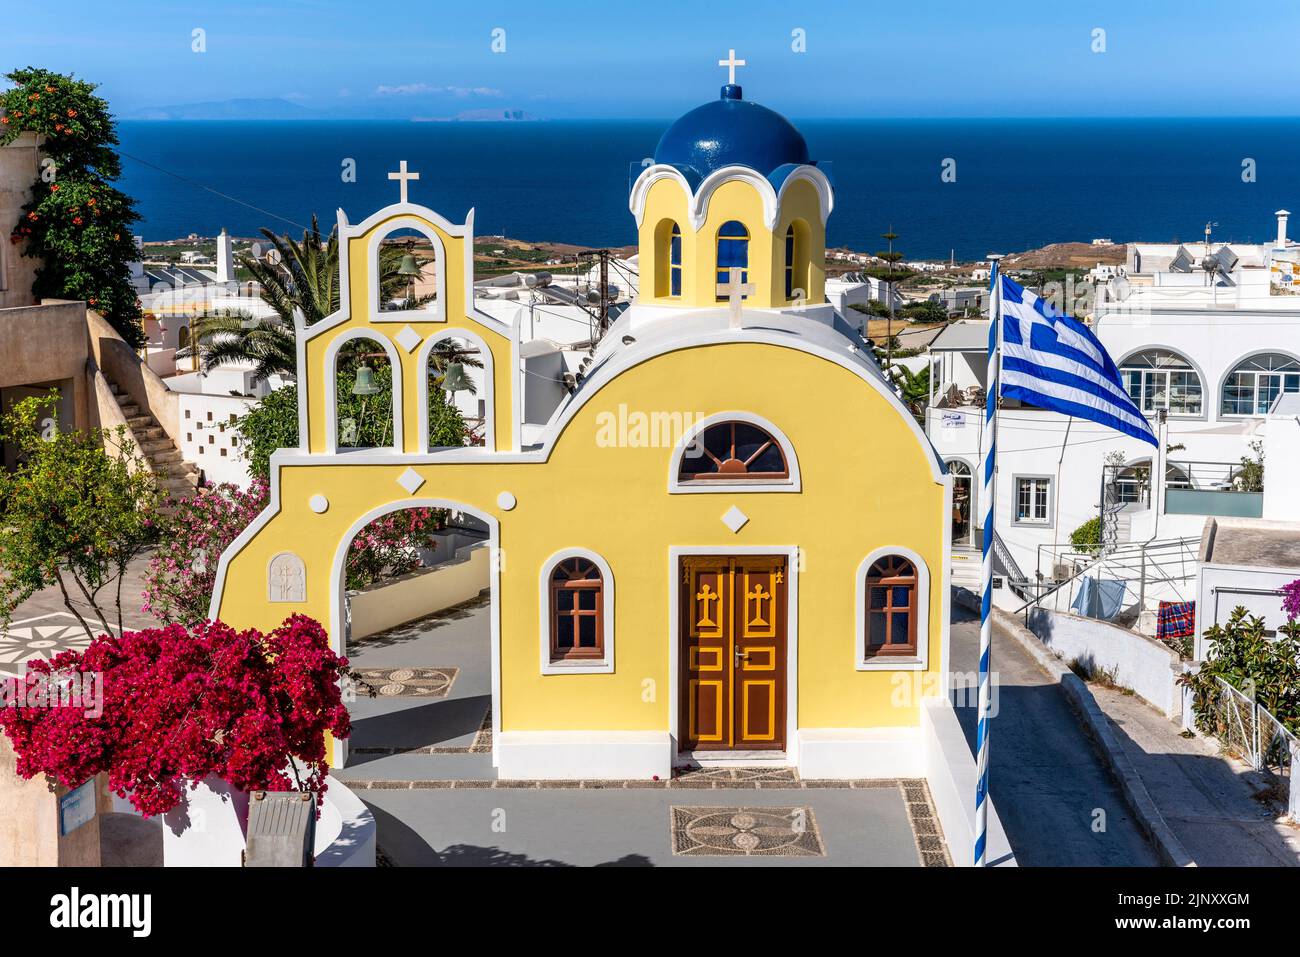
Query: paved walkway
<point x="1047" y="782"/>
<point x="424" y="767"/>
<point x="42" y="626"/>
<point x="1221" y="810"/>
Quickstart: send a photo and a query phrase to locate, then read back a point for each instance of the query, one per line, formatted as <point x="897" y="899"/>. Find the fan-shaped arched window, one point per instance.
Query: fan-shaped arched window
<point x="891" y="611"/>
<point x="733" y="451"/>
<point x="577" y="590"/>
<point x="1251" y="386"/>
<point x="675" y="262"/>
<point x="733" y="251"/>
<point x="1157" y="379"/>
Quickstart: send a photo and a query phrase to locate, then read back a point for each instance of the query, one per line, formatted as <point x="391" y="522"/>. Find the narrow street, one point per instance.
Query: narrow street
<point x="1057" y="801"/>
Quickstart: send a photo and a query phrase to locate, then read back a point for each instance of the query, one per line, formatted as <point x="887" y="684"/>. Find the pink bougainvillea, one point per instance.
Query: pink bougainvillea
<point x="180" y="705"/>
<point x="179" y="580"/>
<point x="1291" y="599"/>
<point x="182" y="572"/>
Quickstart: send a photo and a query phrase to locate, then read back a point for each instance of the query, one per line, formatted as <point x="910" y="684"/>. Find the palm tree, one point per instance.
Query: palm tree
<point x="913" y="388"/>
<point x="304" y="278"/>
<point x="446" y="352"/>
<point x="268" y="345"/>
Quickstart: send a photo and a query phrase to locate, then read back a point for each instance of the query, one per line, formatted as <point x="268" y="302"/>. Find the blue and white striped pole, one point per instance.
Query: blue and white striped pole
<point x="986" y="565"/>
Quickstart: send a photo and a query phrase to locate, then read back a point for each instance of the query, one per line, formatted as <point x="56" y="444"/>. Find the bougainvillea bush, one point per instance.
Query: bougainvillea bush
<point x="179" y="580"/>
<point x="180" y="705"/>
<point x="182" y="572"/>
<point x="1291" y="599"/>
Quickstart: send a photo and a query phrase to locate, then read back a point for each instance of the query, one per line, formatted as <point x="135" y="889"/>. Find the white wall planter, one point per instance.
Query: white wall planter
<point x="207" y="828"/>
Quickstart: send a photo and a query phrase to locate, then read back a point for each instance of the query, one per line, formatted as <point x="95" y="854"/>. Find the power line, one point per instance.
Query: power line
<point x="215" y="192"/>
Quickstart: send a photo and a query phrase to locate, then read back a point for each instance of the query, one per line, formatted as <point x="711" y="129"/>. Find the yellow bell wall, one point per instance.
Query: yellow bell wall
<point x="361" y="306"/>
<point x="739" y="200"/>
<point x="867" y="482"/>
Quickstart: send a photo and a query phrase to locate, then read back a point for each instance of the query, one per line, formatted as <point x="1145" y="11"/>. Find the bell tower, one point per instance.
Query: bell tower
<point x="732" y="187"/>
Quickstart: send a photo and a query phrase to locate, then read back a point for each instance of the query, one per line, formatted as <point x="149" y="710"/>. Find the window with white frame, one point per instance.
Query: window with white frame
<point x="1253" y="385"/>
<point x="1033" y="500"/>
<point x="576" y="611"/>
<point x="1157" y="379"/>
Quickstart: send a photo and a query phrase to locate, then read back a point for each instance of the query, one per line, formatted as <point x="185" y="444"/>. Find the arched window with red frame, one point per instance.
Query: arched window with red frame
<point x="577" y="617"/>
<point x="891" y="610"/>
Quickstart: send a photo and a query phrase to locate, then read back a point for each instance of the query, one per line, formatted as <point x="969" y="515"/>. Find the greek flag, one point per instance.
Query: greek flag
<point x="1053" y="361"/>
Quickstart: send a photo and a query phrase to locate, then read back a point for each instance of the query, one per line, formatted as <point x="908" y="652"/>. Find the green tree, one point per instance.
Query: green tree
<point x="913" y="388"/>
<point x="1087" y="537"/>
<point x="1250" y="477"/>
<point x="301" y="279"/>
<point x="926" y="311"/>
<point x="1264" y="668"/>
<point x="77" y="223"/>
<point x="273" y="423"/>
<point x="74" y="513"/>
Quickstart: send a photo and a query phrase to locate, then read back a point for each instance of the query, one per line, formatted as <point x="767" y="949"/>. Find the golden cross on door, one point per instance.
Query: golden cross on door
<point x="735" y="291"/>
<point x="758" y="596"/>
<point x="706" y="595"/>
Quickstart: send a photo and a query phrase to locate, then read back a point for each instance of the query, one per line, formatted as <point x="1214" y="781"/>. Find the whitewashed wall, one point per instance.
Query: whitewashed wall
<point x="1143" y="664"/>
<point x="208" y="438"/>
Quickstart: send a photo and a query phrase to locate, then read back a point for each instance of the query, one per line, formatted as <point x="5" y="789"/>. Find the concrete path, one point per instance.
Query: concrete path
<point x="558" y="827"/>
<point x="1218" y="807"/>
<point x="1057" y="801"/>
<point x="42" y="626"/>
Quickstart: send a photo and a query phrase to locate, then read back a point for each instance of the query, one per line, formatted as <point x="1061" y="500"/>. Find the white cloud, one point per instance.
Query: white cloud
<point x="426" y="89"/>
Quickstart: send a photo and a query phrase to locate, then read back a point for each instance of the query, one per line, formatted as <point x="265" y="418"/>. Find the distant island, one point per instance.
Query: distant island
<point x="480" y="116"/>
<point x="278" y="108"/>
<point x="237" y="109"/>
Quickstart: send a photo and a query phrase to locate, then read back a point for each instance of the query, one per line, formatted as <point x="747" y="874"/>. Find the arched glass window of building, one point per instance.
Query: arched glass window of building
<point x="675" y="262"/>
<point x="733" y="251"/>
<point x="1252" y="385"/>
<point x="789" y="262"/>
<point x="1157" y="379"/>
<point x="891" y="608"/>
<point x="735" y="451"/>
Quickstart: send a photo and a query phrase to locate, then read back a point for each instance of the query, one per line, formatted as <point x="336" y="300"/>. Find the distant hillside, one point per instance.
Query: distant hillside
<point x="239" y="109"/>
<point x="1068" y="256"/>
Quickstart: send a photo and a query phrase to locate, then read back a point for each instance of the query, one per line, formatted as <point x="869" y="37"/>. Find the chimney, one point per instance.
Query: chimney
<point x="1281" y="215"/>
<point x="225" y="261"/>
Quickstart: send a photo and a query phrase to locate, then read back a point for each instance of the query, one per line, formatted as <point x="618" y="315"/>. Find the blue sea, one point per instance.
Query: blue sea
<point x="1020" y="183"/>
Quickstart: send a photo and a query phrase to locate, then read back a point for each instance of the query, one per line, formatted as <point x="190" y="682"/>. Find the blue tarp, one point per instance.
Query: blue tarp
<point x="1099" y="597"/>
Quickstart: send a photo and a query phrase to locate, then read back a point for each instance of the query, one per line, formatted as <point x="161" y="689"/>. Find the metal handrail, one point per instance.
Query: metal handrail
<point x="1142" y="549"/>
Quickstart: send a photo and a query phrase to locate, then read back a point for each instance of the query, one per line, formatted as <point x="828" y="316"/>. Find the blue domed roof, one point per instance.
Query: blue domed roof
<point x="731" y="131"/>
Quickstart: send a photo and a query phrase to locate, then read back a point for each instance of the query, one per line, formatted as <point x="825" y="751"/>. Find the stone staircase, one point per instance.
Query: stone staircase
<point x="177" y="478"/>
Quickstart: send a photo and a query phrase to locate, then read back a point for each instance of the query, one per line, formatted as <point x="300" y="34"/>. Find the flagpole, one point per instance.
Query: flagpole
<point x="986" y="565"/>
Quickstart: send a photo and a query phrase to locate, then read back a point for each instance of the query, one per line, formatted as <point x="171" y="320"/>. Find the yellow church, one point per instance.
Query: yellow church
<point x="729" y="542"/>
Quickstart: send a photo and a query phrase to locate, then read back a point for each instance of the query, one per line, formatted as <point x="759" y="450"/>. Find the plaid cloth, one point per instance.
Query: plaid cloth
<point x="1175" y="619"/>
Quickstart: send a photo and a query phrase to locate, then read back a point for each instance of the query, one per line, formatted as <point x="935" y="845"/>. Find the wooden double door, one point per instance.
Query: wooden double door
<point x="732" y="653"/>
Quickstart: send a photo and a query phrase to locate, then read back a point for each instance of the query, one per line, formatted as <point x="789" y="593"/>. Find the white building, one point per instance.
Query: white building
<point x="1244" y="561"/>
<point x="1211" y="349"/>
<point x="844" y="292"/>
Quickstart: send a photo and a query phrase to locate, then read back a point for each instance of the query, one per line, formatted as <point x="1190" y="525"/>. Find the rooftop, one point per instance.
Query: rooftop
<point x="1254" y="542"/>
<point x="731" y="131"/>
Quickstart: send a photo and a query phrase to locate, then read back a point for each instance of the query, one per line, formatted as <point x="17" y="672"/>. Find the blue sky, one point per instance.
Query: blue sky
<point x="586" y="59"/>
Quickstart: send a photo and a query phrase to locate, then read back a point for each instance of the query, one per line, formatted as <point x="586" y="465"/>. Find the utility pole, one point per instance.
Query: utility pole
<point x="604" y="290"/>
<point x="602" y="309"/>
<point x="889" y="322"/>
